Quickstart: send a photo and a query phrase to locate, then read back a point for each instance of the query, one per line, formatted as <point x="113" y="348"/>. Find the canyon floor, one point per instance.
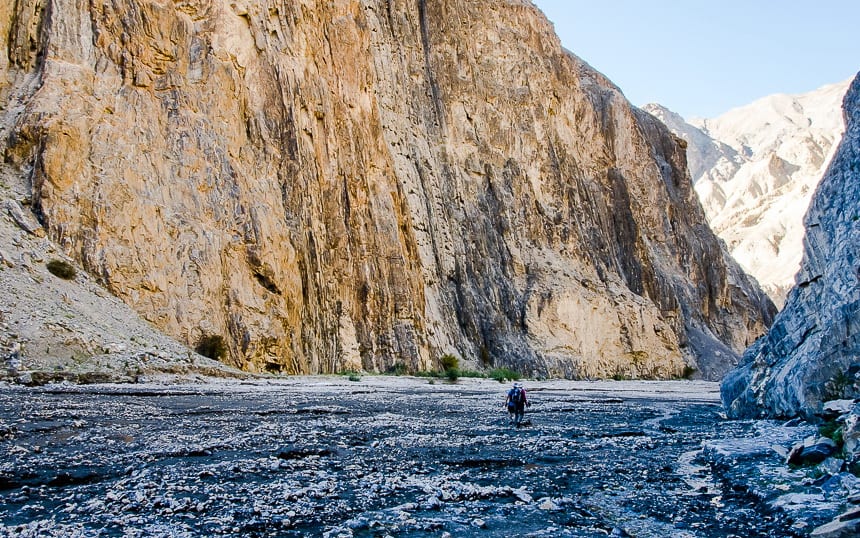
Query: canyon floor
<point x="389" y="456"/>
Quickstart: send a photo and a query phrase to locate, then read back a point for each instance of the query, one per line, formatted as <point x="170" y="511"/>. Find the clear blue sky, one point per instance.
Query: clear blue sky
<point x="702" y="58"/>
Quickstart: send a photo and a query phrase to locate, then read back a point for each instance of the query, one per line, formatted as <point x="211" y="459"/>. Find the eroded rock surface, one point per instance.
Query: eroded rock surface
<point x="812" y="352"/>
<point x="359" y="184"/>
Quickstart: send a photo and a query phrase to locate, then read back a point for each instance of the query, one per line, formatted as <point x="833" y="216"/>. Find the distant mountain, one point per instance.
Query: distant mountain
<point x="755" y="169"/>
<point x="812" y="352"/>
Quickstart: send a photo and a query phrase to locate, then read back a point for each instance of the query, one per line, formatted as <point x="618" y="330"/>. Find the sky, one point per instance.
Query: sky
<point x="703" y="58"/>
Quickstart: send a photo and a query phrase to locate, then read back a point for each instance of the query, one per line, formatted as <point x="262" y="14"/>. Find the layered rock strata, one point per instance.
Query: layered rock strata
<point x="360" y="184"/>
<point x="812" y="352"/>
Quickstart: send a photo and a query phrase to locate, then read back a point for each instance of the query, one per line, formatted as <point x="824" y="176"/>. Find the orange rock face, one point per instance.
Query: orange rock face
<point x="362" y="184"/>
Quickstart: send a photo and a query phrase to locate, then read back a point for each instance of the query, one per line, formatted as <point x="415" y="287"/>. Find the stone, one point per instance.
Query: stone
<point x="813" y="450"/>
<point x="838" y="529"/>
<point x="835" y="408"/>
<point x="522" y="495"/>
<point x="548" y="504"/>
<point x="462" y="185"/>
<point x="851" y="432"/>
<point x="832" y="465"/>
<point x="822" y="449"/>
<point x="811" y="354"/>
<point x="25" y="220"/>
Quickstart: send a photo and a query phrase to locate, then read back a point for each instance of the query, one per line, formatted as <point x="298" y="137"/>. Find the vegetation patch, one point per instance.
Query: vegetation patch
<point x="832" y="430"/>
<point x="688" y="372"/>
<point x="504" y="374"/>
<point x="61" y="269"/>
<point x="397" y="369"/>
<point x="352" y="375"/>
<point x="450" y="366"/>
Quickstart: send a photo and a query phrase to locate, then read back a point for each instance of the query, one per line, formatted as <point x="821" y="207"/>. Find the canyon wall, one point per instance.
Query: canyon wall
<point x="362" y="184"/>
<point x="812" y="352"/>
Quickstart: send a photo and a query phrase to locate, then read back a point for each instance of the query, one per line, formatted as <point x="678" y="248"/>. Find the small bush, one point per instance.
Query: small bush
<point x="504" y="374"/>
<point x="449" y="362"/>
<point x="450" y="366"/>
<point x="832" y="430"/>
<point x="397" y="369"/>
<point x="212" y="346"/>
<point x="452" y="374"/>
<point x="473" y="374"/>
<point x="354" y="377"/>
<point x="688" y="372"/>
<point x="61" y="269"/>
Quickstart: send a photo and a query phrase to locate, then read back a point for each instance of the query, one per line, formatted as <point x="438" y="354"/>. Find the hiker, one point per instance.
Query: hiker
<point x="516" y="403"/>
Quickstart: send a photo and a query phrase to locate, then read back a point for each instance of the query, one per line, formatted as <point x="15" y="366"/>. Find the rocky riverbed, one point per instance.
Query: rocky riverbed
<point x="388" y="456"/>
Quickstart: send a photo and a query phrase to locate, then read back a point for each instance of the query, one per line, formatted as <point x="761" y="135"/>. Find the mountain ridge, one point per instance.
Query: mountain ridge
<point x="755" y="168"/>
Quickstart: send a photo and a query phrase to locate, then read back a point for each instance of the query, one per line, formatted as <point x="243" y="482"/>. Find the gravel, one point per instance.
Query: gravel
<point x="384" y="456"/>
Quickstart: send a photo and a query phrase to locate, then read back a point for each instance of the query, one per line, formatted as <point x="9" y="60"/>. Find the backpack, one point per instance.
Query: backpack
<point x="517" y="396"/>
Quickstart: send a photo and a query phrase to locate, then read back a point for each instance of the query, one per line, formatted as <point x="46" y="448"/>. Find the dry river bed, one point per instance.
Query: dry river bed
<point x="388" y="456"/>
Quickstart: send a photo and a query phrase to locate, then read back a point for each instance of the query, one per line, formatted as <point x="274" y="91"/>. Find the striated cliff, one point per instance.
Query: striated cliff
<point x="359" y="184"/>
<point x="812" y="352"/>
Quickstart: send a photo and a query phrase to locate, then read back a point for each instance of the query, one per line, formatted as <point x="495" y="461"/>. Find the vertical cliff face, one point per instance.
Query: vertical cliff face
<point x="357" y="184"/>
<point x="812" y="352"/>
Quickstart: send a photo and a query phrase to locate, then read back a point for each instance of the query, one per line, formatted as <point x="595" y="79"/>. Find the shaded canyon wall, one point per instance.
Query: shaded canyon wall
<point x="812" y="352"/>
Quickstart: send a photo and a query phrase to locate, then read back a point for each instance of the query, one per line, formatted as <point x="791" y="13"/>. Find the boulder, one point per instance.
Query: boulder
<point x="846" y="525"/>
<point x="851" y="432"/>
<point x="812" y="451"/>
<point x="836" y="408"/>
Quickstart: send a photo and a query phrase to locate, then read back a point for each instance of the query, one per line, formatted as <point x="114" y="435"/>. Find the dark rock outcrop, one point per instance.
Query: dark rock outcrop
<point x="812" y="352"/>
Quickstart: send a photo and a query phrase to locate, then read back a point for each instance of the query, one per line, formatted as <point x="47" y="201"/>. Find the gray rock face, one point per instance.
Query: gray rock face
<point x="812" y="352"/>
<point x="358" y="185"/>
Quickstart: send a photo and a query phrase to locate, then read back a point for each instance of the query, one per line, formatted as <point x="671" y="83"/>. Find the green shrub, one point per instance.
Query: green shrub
<point x="473" y="374"/>
<point x="61" y="269"/>
<point x="832" y="430"/>
<point x="450" y="366"/>
<point x="504" y="374"/>
<point x="449" y="362"/>
<point x="354" y="377"/>
<point x="397" y="369"/>
<point x="212" y="346"/>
